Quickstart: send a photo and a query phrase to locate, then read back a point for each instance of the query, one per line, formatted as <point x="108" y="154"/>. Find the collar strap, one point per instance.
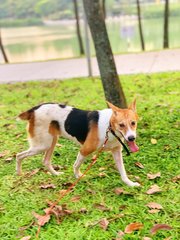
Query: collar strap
<point x="118" y="138"/>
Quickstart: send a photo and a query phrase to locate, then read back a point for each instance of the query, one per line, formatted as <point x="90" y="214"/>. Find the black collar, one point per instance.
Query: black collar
<point x="119" y="139"/>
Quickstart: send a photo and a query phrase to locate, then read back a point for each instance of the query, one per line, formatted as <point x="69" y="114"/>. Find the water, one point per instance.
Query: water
<point x="27" y="44"/>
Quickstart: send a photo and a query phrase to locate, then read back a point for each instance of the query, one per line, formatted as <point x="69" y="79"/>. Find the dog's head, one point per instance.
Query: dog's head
<point x="124" y="122"/>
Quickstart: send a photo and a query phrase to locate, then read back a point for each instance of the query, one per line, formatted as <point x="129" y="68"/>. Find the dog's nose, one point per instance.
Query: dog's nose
<point x="131" y="138"/>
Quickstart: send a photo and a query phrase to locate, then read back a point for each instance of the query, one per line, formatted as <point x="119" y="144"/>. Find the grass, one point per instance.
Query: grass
<point x="157" y="98"/>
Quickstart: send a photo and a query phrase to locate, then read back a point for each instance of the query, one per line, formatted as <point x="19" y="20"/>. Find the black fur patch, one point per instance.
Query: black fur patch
<point x="55" y="124"/>
<point x="38" y="106"/>
<point x="78" y="122"/>
<point x="62" y="105"/>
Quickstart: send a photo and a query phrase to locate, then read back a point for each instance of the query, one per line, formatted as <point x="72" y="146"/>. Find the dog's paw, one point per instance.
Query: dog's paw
<point x="133" y="184"/>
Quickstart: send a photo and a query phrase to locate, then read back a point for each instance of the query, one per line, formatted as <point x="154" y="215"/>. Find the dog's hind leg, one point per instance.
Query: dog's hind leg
<point x="77" y="164"/>
<point x="48" y="155"/>
<point x="20" y="156"/>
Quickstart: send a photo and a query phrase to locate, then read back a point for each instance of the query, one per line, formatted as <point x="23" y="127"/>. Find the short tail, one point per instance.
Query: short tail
<point x="25" y="115"/>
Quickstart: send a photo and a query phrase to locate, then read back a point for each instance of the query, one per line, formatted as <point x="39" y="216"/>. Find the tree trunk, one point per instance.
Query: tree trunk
<point x="166" y="25"/>
<point x="111" y="84"/>
<point x="78" y="27"/>
<point x="2" y="50"/>
<point x="140" y="25"/>
<point x="104" y="8"/>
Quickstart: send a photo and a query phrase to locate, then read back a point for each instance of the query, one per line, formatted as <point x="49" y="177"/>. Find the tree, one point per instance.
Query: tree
<point x="78" y="27"/>
<point x="166" y="25"/>
<point x="2" y="50"/>
<point x="140" y="25"/>
<point x="111" y="84"/>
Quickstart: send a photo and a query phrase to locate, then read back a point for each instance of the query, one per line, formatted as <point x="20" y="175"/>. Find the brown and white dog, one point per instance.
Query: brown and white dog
<point x="49" y="121"/>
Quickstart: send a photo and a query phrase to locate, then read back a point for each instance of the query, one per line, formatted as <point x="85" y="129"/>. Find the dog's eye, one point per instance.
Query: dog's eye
<point x="133" y="123"/>
<point x="122" y="125"/>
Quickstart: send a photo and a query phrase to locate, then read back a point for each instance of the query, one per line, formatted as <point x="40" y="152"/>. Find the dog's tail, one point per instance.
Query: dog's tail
<point x="25" y="115"/>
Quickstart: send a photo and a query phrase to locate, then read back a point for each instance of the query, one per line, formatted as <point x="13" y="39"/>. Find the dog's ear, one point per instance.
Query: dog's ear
<point x="132" y="106"/>
<point x="114" y="108"/>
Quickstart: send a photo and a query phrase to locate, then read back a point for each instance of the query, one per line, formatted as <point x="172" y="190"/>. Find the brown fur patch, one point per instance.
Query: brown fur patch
<point x="91" y="142"/>
<point x="31" y="125"/>
<point x="54" y="128"/>
<point x="25" y="115"/>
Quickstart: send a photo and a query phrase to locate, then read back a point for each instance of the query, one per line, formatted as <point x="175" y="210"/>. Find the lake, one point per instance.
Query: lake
<point x="27" y="44"/>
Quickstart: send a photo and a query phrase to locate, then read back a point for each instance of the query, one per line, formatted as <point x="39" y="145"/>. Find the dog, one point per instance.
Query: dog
<point x="49" y="121"/>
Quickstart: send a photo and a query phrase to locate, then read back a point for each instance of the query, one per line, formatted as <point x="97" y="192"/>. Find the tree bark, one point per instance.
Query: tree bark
<point x="140" y="25"/>
<point x="78" y="27"/>
<point x="111" y="84"/>
<point x="166" y="25"/>
<point x="104" y="8"/>
<point x="2" y="50"/>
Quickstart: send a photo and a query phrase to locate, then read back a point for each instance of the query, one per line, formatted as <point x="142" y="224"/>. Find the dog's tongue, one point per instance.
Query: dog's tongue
<point x="133" y="147"/>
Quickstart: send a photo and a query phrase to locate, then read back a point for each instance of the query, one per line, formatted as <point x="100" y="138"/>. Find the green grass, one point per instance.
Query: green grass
<point x="157" y="103"/>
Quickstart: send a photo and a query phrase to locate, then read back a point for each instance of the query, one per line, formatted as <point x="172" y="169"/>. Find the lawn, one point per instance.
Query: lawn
<point x="95" y="197"/>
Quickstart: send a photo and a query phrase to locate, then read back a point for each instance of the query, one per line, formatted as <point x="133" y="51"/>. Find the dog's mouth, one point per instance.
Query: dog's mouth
<point x="132" y="146"/>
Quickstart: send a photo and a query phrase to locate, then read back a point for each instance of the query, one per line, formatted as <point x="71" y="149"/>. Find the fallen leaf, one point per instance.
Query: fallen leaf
<point x="176" y="178"/>
<point x="153" y="189"/>
<point x="168" y="238"/>
<point x="26" y="238"/>
<point x="47" y="186"/>
<point x="103" y="223"/>
<point x="153" y="141"/>
<point x="33" y="172"/>
<point x="154" y="211"/>
<point x="102" y="174"/>
<point x="59" y="145"/>
<point x="9" y="159"/>
<point x="101" y="207"/>
<point x="133" y="227"/>
<point x="146" y="238"/>
<point x="42" y="219"/>
<point x="75" y="198"/>
<point x="6" y="152"/>
<point x="154" y="205"/>
<point x="158" y="227"/>
<point x="102" y="168"/>
<point x="93" y="192"/>
<point x="83" y="210"/>
<point x="153" y="176"/>
<point x="118" y="191"/>
<point x="138" y="164"/>
<point x="120" y="235"/>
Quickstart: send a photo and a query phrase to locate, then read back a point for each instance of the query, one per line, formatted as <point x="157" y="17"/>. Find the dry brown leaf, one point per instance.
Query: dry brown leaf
<point x="158" y="227"/>
<point x="118" y="191"/>
<point x="33" y="172"/>
<point x="154" y="205"/>
<point x="154" y="189"/>
<point x="101" y="207"/>
<point x="120" y="235"/>
<point x="133" y="227"/>
<point x="6" y="152"/>
<point x="75" y="198"/>
<point x="26" y="238"/>
<point x="176" y="178"/>
<point x="153" y="141"/>
<point x="42" y="219"/>
<point x="102" y="174"/>
<point x="9" y="159"/>
<point x="146" y="238"/>
<point x="153" y="210"/>
<point x="168" y="238"/>
<point x="153" y="176"/>
<point x="103" y="223"/>
<point x="47" y="186"/>
<point x="138" y="164"/>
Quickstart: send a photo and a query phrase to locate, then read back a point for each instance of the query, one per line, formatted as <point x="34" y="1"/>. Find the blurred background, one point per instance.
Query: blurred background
<point x="40" y="30"/>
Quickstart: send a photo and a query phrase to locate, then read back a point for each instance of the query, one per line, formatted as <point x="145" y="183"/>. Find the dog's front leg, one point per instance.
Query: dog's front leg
<point x="117" y="155"/>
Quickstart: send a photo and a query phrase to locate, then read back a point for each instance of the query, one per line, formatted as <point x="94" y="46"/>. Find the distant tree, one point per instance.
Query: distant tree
<point x="78" y="27"/>
<point x="166" y="25"/>
<point x="140" y="25"/>
<point x="111" y="84"/>
<point x="2" y="50"/>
